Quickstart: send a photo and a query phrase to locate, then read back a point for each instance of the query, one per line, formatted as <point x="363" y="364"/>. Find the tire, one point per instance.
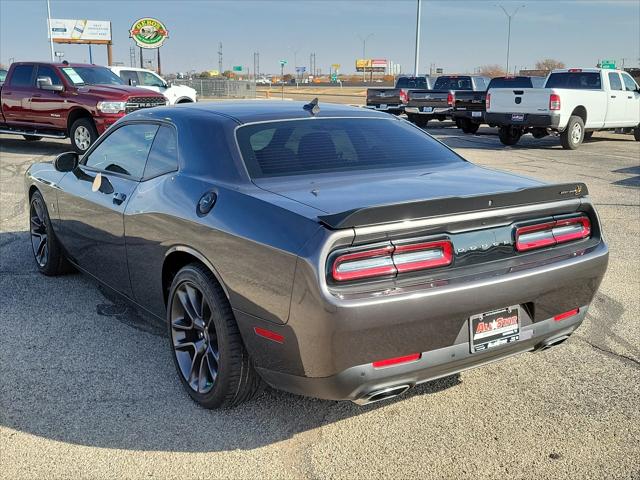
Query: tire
<point x="83" y="134"/>
<point x="587" y="136"/>
<point x="509" y="135"/>
<point x="47" y="251"/>
<point x="467" y="126"/>
<point x="211" y="341"/>
<point x="572" y="136"/>
<point x="31" y="138"/>
<point x="417" y="119"/>
<point x="636" y="133"/>
<point x="458" y="122"/>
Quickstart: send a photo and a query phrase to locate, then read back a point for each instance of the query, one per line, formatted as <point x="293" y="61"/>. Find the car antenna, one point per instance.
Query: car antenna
<point x="312" y="107"/>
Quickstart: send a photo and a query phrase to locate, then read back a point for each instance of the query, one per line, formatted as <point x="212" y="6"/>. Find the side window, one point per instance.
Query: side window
<point x="629" y="83"/>
<point x="480" y="84"/>
<point x="150" y="80"/>
<point x="614" y="81"/>
<point x="125" y="150"/>
<point x="47" y="71"/>
<point x="130" y="77"/>
<point x="21" y="76"/>
<point x="163" y="157"/>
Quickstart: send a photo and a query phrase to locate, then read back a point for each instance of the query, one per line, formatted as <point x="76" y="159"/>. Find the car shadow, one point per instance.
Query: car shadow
<point x="81" y="366"/>
<point x="633" y="181"/>
<point x="16" y="144"/>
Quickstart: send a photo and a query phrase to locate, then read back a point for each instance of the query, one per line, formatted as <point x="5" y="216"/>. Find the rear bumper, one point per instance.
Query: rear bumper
<point x="389" y="108"/>
<point x="529" y="120"/>
<point x="437" y="111"/>
<point x="474" y="116"/>
<point x="360" y="382"/>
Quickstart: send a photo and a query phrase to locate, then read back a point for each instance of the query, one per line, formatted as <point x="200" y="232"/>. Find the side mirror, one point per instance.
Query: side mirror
<point x="66" y="162"/>
<point x="132" y="82"/>
<point x="45" y="83"/>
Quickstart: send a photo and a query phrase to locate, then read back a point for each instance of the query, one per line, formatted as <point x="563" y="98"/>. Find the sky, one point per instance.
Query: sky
<point x="456" y="35"/>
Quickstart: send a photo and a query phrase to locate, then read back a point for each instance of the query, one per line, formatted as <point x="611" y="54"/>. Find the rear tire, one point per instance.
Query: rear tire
<point x="572" y="136"/>
<point x="636" y="133"/>
<point x="204" y="336"/>
<point x="467" y="126"/>
<point x="417" y="119"/>
<point x="83" y="134"/>
<point x="32" y="138"/>
<point x="509" y="135"/>
<point x="47" y="251"/>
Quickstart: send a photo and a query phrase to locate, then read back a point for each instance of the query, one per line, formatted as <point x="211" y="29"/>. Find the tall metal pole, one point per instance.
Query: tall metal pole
<point x="364" y="54"/>
<point x="53" y="54"/>
<point x="417" y="57"/>
<point x="509" y="17"/>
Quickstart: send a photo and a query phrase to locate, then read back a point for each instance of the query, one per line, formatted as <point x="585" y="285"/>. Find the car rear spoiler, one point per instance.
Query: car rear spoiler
<point x="452" y="205"/>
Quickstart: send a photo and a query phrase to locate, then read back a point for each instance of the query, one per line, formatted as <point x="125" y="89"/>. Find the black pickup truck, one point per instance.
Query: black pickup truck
<point x="393" y="100"/>
<point x="469" y="107"/>
<point x="425" y="105"/>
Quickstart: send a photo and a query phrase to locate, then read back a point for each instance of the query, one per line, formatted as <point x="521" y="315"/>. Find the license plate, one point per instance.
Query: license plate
<point x="383" y="105"/>
<point x="517" y="117"/>
<point x="427" y="109"/>
<point x="492" y="329"/>
<point x="476" y="114"/>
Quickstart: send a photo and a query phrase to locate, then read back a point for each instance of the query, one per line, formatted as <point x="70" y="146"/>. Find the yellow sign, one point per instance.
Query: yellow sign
<point x="363" y="63"/>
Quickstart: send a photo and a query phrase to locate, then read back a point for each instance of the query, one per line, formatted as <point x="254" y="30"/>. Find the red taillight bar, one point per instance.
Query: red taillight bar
<point x="551" y="233"/>
<point x="451" y="98"/>
<point x="370" y="263"/>
<point x="404" y="98"/>
<point x="420" y="256"/>
<point x="487" y="101"/>
<point x="570" y="313"/>
<point x="397" y="360"/>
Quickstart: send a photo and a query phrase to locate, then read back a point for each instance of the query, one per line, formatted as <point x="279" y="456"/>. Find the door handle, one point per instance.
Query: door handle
<point x="118" y="198"/>
<point x="629" y="97"/>
<point x="613" y="96"/>
<point x="37" y="95"/>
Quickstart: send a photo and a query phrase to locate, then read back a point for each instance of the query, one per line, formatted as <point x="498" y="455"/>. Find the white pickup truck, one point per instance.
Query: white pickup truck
<point x="143" y="78"/>
<point x="574" y="102"/>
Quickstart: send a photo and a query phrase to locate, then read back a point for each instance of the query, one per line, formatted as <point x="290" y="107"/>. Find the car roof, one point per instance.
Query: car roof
<point x="249" y="111"/>
<point x="136" y="69"/>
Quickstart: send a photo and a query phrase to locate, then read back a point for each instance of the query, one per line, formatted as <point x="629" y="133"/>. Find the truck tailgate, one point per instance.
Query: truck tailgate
<point x="519" y="100"/>
<point x="378" y="96"/>
<point x="428" y="98"/>
<point x="470" y="101"/>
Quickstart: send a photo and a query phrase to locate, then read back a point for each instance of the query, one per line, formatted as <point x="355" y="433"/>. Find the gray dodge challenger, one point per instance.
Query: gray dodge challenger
<point x="325" y="250"/>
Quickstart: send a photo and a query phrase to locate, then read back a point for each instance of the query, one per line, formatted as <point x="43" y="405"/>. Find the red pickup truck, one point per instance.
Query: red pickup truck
<point x="60" y="100"/>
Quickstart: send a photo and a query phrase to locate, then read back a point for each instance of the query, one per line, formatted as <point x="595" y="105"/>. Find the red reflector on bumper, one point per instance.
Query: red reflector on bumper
<point x="268" y="334"/>
<point x="395" y="361"/>
<point x="570" y="313"/>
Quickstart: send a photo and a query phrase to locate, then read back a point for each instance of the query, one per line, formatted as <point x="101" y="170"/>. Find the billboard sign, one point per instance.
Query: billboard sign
<point x="149" y="33"/>
<point x="371" y="65"/>
<point x="79" y="31"/>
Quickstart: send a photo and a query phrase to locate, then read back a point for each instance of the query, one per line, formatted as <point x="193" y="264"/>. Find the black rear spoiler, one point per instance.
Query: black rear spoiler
<point x="451" y="205"/>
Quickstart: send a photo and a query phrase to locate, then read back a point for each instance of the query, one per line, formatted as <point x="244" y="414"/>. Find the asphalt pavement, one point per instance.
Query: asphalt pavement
<point x="88" y="388"/>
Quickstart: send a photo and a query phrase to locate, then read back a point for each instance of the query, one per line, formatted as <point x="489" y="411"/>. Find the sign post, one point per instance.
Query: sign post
<point x="282" y="64"/>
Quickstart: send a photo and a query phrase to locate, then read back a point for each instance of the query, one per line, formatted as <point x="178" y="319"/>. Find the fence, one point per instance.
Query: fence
<point x="220" y="88"/>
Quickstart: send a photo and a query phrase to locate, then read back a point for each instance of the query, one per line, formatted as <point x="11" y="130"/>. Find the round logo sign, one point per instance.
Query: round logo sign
<point x="149" y="33"/>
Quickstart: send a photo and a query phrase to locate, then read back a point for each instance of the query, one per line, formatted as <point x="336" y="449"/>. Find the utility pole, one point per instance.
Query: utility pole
<point x="53" y="54"/>
<point x="220" y="58"/>
<point x="509" y="17"/>
<point x="132" y="56"/>
<point x="416" y="60"/>
<point x="364" y="53"/>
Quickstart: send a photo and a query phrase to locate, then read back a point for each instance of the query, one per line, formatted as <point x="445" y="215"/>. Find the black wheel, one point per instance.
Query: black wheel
<point x="467" y="126"/>
<point x="46" y="249"/>
<point x="587" y="136"/>
<point x="572" y="136"/>
<point x="458" y="122"/>
<point x="212" y="362"/>
<point x="636" y="133"/>
<point x="420" y="120"/>
<point x="82" y="133"/>
<point x="509" y="135"/>
<point x="31" y="138"/>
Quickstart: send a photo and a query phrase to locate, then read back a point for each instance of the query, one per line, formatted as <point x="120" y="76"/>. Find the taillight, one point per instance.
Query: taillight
<point x="487" y="101"/>
<point x="404" y="98"/>
<point x="570" y="313"/>
<point x="397" y="360"/>
<point x="575" y="70"/>
<point x="554" y="102"/>
<point x="552" y="233"/>
<point x="391" y="260"/>
<point x="451" y="98"/>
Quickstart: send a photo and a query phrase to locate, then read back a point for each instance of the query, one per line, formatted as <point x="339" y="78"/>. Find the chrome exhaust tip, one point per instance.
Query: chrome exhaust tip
<point x="552" y="343"/>
<point x="383" y="394"/>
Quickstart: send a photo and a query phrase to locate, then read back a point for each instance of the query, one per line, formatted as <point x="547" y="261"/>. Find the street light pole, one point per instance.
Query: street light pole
<point x="416" y="60"/>
<point x="509" y="17"/>
<point x="364" y="54"/>
<point x="49" y="28"/>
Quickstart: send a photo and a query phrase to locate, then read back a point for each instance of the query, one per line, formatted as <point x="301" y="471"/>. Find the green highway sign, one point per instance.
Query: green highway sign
<point x="610" y="64"/>
<point x="283" y="63"/>
<point x="237" y="68"/>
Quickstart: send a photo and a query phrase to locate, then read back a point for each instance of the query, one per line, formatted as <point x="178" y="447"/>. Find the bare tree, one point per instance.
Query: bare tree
<point x="491" y="71"/>
<point x="549" y="64"/>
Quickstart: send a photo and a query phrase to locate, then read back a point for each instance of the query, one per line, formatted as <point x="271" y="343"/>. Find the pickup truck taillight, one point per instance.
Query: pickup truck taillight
<point x="487" y="101"/>
<point x="551" y="233"/>
<point x="391" y="260"/>
<point x="404" y="98"/>
<point x="554" y="102"/>
<point x="451" y="98"/>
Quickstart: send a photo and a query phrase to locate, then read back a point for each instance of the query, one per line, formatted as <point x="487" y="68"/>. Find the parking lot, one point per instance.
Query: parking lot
<point x="88" y="388"/>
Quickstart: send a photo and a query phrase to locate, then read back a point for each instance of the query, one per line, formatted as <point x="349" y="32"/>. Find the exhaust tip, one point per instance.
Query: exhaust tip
<point x="383" y="394"/>
<point x="552" y="343"/>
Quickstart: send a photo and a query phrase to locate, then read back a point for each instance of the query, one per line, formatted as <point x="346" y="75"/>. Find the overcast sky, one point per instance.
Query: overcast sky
<point x="456" y="35"/>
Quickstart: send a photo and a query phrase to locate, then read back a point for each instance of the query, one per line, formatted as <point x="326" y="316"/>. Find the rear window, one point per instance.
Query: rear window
<point x="578" y="80"/>
<point x="453" y="83"/>
<point x="318" y="145"/>
<point x="417" y="82"/>
<point x="511" y="82"/>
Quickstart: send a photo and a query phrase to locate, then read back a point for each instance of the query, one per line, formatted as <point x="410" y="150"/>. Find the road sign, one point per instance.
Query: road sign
<point x="283" y="63"/>
<point x="335" y="66"/>
<point x="439" y="70"/>
<point x="301" y="69"/>
<point x="610" y="64"/>
<point x="237" y="68"/>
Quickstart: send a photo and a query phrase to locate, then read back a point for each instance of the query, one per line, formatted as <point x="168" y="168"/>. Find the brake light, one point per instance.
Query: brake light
<point x="451" y="98"/>
<point x="488" y="101"/>
<point x="568" y="314"/>
<point x="404" y="98"/>
<point x="397" y="360"/>
<point x="554" y="102"/>
<point x="575" y="70"/>
<point x="552" y="233"/>
<point x="391" y="260"/>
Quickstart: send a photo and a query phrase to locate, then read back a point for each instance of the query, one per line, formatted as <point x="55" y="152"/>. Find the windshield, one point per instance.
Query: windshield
<point x="453" y="83"/>
<point x="332" y="145"/>
<point x="414" y="82"/>
<point x="91" y="76"/>
<point x="577" y="80"/>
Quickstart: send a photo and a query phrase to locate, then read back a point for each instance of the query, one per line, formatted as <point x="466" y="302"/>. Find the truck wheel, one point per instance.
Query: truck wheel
<point x="573" y="135"/>
<point x="467" y="126"/>
<point x="636" y="133"/>
<point x="418" y="120"/>
<point x="458" y="122"/>
<point x="82" y="133"/>
<point x="509" y="135"/>
<point x="32" y="138"/>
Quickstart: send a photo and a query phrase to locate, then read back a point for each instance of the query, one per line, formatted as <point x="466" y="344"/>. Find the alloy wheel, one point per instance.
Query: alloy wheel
<point x="39" y="233"/>
<point x="82" y="137"/>
<point x="576" y="133"/>
<point x="195" y="343"/>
